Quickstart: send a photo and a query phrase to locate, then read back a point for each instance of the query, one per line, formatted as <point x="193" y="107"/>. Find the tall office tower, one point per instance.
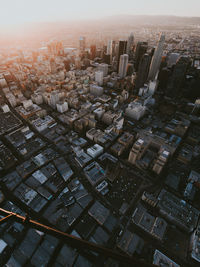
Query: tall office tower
<point x="157" y="57"/>
<point x="114" y="48"/>
<point x="99" y="77"/>
<point x="104" y="68"/>
<point x="141" y="49"/>
<point x="109" y="47"/>
<point x="82" y="44"/>
<point x="130" y="43"/>
<point x="121" y="51"/>
<point x="178" y="75"/>
<point x="92" y="51"/>
<point x="163" y="78"/>
<point x="143" y="71"/>
<point x="123" y="65"/>
<point x="107" y="59"/>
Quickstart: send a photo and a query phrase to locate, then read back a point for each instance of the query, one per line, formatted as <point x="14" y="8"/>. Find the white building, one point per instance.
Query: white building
<point x="37" y="98"/>
<point x="95" y="151"/>
<point x="103" y="67"/>
<point x="27" y="103"/>
<point x="96" y="90"/>
<point x="109" y="47"/>
<point x="123" y="65"/>
<point x="153" y="86"/>
<point x="99" y="112"/>
<point x="5" y="108"/>
<point x="157" y="57"/>
<point x="99" y="77"/>
<point x="135" y="110"/>
<point x="54" y="98"/>
<point x="12" y="100"/>
<point x="62" y="106"/>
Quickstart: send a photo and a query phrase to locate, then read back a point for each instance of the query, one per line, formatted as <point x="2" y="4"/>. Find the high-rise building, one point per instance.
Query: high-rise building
<point x="143" y="70"/>
<point x="104" y="68"/>
<point x="114" y="50"/>
<point x="92" y="51"/>
<point x="121" y="51"/>
<point x="109" y="52"/>
<point x="123" y="65"/>
<point x="109" y="47"/>
<point x="107" y="59"/>
<point x="178" y="75"/>
<point x="157" y="57"/>
<point x="99" y="77"/>
<point x="141" y="49"/>
<point x="130" y="44"/>
<point x="172" y="59"/>
<point x="82" y="44"/>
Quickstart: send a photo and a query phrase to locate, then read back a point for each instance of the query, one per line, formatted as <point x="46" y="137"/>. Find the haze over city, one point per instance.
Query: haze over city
<point x="22" y="11"/>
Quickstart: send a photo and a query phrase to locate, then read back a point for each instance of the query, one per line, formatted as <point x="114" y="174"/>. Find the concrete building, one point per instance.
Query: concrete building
<point x="5" y="108"/>
<point x="141" y="49"/>
<point x="157" y="57"/>
<point x="109" y="47"/>
<point x="123" y="65"/>
<point x="54" y="98"/>
<point x="160" y="259"/>
<point x="99" y="77"/>
<point x="96" y="90"/>
<point x="194" y="248"/>
<point x="155" y="226"/>
<point x="172" y="59"/>
<point x="121" y="51"/>
<point x="178" y="211"/>
<point x="37" y="98"/>
<point x="95" y="151"/>
<point x="135" y="110"/>
<point x="62" y="106"/>
<point x="104" y="68"/>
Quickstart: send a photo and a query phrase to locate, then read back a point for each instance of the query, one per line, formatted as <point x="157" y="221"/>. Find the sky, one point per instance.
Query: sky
<point x="13" y="12"/>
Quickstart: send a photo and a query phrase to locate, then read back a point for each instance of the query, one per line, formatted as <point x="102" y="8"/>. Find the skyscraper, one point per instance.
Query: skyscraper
<point x="104" y="68"/>
<point x="157" y="57"/>
<point x="92" y="51"/>
<point x="109" y="47"/>
<point x="121" y="51"/>
<point x="143" y="70"/>
<point x="130" y="43"/>
<point x="123" y="65"/>
<point x="178" y="75"/>
<point x="141" y="49"/>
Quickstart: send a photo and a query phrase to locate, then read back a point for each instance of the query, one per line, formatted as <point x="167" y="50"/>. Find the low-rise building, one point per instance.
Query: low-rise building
<point x="95" y="151"/>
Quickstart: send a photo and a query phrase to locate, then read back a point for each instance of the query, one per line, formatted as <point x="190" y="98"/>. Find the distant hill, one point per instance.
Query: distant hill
<point x="34" y="32"/>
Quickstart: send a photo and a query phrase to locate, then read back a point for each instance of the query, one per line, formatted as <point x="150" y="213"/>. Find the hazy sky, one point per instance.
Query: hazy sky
<point x="20" y="11"/>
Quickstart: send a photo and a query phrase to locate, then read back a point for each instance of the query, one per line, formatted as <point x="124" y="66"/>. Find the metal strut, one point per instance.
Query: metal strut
<point x="74" y="241"/>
